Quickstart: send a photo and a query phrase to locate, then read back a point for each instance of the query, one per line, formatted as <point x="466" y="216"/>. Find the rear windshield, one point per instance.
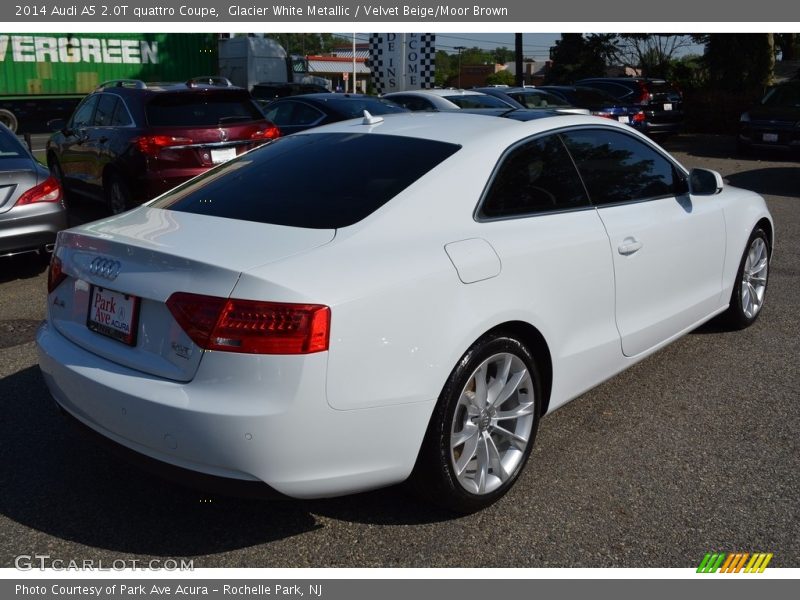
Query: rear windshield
<point x="10" y="147"/>
<point x="538" y="99"/>
<point x="200" y="109"/>
<point x="783" y="95"/>
<point x="317" y="181"/>
<point x="355" y="107"/>
<point x="477" y="101"/>
<point x="586" y="97"/>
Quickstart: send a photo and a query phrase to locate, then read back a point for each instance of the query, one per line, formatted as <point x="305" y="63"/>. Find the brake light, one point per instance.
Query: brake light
<point x="644" y="93"/>
<point x="47" y="191"/>
<point x="55" y="275"/>
<point x="268" y="133"/>
<point x="251" y="326"/>
<point x="638" y="117"/>
<point x="153" y="144"/>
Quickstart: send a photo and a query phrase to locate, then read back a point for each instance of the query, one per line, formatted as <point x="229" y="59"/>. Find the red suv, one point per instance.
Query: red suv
<point x="129" y="141"/>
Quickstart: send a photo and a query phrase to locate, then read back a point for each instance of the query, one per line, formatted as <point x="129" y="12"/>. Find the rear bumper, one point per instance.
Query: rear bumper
<point x="246" y="418"/>
<point x="29" y="228"/>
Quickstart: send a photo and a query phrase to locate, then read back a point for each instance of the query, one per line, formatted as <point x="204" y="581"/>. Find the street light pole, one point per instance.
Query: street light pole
<point x="459" y="48"/>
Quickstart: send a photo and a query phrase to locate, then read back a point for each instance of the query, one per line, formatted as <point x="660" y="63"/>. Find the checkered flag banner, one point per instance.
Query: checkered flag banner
<point x="402" y="61"/>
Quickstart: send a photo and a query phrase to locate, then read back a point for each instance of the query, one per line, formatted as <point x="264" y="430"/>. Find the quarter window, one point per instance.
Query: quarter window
<point x="537" y="176"/>
<point x="105" y="110"/>
<point x="619" y="168"/>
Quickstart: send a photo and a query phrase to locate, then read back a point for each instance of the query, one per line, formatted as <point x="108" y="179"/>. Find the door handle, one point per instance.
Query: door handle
<point x="629" y="245"/>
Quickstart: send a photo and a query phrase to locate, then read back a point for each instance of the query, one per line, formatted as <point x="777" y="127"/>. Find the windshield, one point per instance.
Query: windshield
<point x="10" y="147"/>
<point x="783" y="95"/>
<point x="354" y="107"/>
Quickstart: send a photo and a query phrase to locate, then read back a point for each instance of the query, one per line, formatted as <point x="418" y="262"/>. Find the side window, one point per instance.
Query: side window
<point x="537" y="176"/>
<point x="83" y="114"/>
<point x="305" y="114"/>
<point x="412" y="102"/>
<point x="281" y="113"/>
<point x="616" y="167"/>
<point x="105" y="110"/>
<point x="122" y="117"/>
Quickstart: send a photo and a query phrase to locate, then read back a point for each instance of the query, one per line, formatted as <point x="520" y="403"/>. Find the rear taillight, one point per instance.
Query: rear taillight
<point x="638" y="117"/>
<point x="54" y="274"/>
<point x="644" y="94"/>
<point x="153" y="144"/>
<point x="47" y="191"/>
<point x="267" y="133"/>
<point x="251" y="326"/>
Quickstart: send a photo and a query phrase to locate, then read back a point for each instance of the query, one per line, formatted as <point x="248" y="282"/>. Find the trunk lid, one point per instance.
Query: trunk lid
<point x="121" y="271"/>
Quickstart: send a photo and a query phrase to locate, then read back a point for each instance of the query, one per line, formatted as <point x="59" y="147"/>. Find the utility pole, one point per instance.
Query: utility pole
<point x="459" y="48"/>
<point x="520" y="79"/>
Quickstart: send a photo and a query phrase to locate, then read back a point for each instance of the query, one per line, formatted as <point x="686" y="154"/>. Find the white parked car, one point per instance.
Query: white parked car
<point x="395" y="297"/>
<point x="445" y="99"/>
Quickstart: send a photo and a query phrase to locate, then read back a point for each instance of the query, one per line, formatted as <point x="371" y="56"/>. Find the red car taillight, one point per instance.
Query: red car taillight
<point x="47" y="191"/>
<point x="638" y="118"/>
<point x="54" y="274"/>
<point x="644" y="93"/>
<point x="270" y="132"/>
<point x="251" y="326"/>
<point x="153" y="144"/>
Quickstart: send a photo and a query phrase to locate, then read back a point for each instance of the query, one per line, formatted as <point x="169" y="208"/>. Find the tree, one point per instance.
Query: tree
<point x="309" y="43"/>
<point x="652" y="53"/>
<point x="446" y="66"/>
<point x="502" y="77"/>
<point x="502" y="55"/>
<point x="741" y="62"/>
<point x="576" y="56"/>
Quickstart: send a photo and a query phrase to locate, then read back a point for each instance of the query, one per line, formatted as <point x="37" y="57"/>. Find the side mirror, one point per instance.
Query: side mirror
<point x="57" y="124"/>
<point x="704" y="182"/>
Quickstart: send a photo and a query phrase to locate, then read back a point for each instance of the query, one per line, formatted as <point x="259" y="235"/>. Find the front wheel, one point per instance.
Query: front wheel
<point x="750" y="289"/>
<point x="483" y="428"/>
<point x="118" y="198"/>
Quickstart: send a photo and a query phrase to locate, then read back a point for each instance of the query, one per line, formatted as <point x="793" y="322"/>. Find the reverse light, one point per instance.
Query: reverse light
<point x="251" y="326"/>
<point x="153" y="144"/>
<point x="55" y="274"/>
<point x="47" y="191"/>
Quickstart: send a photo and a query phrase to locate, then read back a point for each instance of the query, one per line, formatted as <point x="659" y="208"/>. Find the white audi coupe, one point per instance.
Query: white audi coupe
<point x="392" y="298"/>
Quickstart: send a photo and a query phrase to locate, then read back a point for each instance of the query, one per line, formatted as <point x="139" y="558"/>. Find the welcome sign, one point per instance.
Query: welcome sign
<point x="402" y="61"/>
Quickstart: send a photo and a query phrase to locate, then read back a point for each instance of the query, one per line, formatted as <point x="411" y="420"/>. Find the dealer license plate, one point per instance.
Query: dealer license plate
<point x="113" y="314"/>
<point x="668" y="106"/>
<point x="624" y="119"/>
<point x="222" y="155"/>
<point x="770" y="137"/>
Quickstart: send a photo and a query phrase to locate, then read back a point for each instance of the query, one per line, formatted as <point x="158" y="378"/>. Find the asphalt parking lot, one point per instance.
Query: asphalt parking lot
<point x="693" y="450"/>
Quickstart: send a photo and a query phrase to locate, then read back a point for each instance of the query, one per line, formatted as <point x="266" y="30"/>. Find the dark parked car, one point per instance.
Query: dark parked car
<point x="600" y="104"/>
<point x="532" y="98"/>
<point x="298" y="113"/>
<point x="775" y="122"/>
<point x="31" y="201"/>
<point x="129" y="141"/>
<point x="266" y="92"/>
<point x="661" y="101"/>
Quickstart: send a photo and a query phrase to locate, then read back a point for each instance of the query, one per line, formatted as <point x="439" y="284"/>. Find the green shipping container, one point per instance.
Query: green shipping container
<point x="58" y="64"/>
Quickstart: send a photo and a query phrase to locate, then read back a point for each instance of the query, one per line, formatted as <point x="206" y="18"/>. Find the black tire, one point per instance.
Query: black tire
<point x="118" y="196"/>
<point x="737" y="317"/>
<point x="8" y="119"/>
<point x="435" y="476"/>
<point x="58" y="173"/>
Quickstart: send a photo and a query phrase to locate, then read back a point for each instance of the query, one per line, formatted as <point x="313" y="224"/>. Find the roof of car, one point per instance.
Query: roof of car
<point x="443" y="93"/>
<point x="625" y="79"/>
<point x="461" y="127"/>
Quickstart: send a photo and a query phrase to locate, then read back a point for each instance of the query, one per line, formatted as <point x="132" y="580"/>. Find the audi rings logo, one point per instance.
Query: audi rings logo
<point x="105" y="267"/>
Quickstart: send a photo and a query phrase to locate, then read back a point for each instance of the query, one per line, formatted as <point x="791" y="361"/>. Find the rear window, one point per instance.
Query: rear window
<point x="783" y="95"/>
<point x="200" y="109"/>
<point x="477" y="101"/>
<point x="538" y="99"/>
<point x="355" y="107"/>
<point x="10" y="147"/>
<point x="316" y="181"/>
<point x="589" y="97"/>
